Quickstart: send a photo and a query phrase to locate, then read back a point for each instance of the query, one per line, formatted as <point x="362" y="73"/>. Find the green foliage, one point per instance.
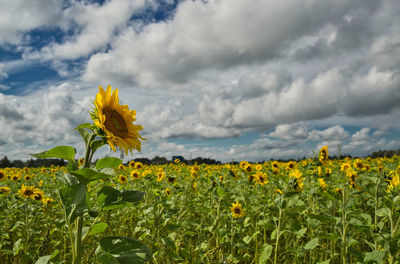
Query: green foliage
<point x="74" y="201"/>
<point x="122" y="250"/>
<point x="61" y="152"/>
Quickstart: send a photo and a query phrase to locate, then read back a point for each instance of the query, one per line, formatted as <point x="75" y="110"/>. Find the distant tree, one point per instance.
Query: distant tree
<point x="4" y="162"/>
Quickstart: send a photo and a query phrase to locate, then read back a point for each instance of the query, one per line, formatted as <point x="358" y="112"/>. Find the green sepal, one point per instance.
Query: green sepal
<point x="85" y="125"/>
<point x="122" y="250"/>
<point x="108" y="162"/>
<point x="74" y="201"/>
<point x="61" y="152"/>
<point x="110" y="198"/>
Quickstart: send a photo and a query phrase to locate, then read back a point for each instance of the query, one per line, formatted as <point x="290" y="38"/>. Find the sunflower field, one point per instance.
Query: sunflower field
<point x="315" y="210"/>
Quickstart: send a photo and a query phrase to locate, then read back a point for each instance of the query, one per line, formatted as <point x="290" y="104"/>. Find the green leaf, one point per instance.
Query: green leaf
<point x="220" y="192"/>
<point x="73" y="199"/>
<point x="86" y="175"/>
<point x="108" y="162"/>
<point x="122" y="250"/>
<point x="60" y="152"/>
<point x="107" y="195"/>
<point x="110" y="198"/>
<point x="377" y="256"/>
<point x="72" y="166"/>
<point x="66" y="178"/>
<point x="169" y="243"/>
<point x="247" y="239"/>
<point x="324" y="262"/>
<point x="46" y="259"/>
<point x="98" y="228"/>
<point x="98" y="143"/>
<point x="265" y="253"/>
<point x="85" y="125"/>
<point x="84" y="134"/>
<point x="17" y="246"/>
<point x="356" y="252"/>
<point x="322" y="218"/>
<point x="131" y="196"/>
<point x="383" y="212"/>
<point x="301" y="232"/>
<point x="311" y="244"/>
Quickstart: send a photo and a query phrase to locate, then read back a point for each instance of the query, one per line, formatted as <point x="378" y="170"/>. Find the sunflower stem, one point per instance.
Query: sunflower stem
<point x="77" y="243"/>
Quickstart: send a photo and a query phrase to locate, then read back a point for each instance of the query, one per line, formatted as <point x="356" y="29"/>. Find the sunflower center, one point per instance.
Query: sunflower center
<point x="28" y="192"/>
<point x="115" y="123"/>
<point x="237" y="210"/>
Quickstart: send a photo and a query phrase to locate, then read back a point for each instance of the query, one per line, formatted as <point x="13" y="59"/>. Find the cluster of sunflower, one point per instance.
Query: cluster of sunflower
<point x="26" y="175"/>
<point x="34" y="193"/>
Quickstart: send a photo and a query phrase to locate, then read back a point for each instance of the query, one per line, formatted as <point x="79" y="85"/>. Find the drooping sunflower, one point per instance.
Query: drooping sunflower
<point x="116" y="121"/>
<point x="237" y="210"/>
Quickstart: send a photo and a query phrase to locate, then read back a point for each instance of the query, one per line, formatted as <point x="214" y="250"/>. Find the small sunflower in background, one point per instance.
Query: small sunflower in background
<point x="237" y="210"/>
<point x="27" y="192"/>
<point x="261" y="178"/>
<point x="2" y="175"/>
<point x="135" y="175"/>
<point x="5" y="190"/>
<point x="39" y="195"/>
<point x="47" y="201"/>
<point x="122" y="179"/>
<point x="116" y="121"/>
<point x="138" y="165"/>
<point x="16" y="177"/>
<point x="323" y="154"/>
<point x="81" y="161"/>
<point x="28" y="177"/>
<point x="168" y="191"/>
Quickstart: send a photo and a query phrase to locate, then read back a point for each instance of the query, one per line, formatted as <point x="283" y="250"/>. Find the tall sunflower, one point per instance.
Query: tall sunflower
<point x="116" y="121"/>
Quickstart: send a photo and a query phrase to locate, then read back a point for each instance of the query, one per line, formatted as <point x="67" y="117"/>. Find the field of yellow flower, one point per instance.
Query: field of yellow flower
<point x="310" y="211"/>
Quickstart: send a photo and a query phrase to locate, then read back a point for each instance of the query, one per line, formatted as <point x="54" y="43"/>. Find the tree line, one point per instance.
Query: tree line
<point x="34" y="163"/>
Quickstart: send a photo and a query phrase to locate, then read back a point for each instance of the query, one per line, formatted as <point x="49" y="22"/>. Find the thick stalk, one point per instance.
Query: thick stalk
<point x="278" y="230"/>
<point x="77" y="241"/>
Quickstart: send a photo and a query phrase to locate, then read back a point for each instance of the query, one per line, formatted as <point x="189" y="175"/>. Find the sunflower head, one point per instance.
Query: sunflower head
<point x="4" y="190"/>
<point x="27" y="191"/>
<point x="115" y="121"/>
<point x="237" y="210"/>
<point x="2" y="175"/>
<point x="122" y="179"/>
<point x="323" y="154"/>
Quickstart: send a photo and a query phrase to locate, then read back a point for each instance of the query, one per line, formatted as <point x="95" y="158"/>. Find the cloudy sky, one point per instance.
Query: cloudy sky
<point x="224" y="79"/>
